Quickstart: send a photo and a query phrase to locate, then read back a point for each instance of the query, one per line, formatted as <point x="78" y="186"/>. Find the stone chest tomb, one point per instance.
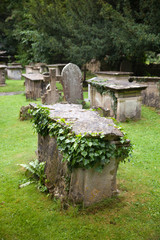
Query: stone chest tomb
<point x="14" y="72"/>
<point x="87" y="142"/>
<point x="121" y="98"/>
<point x="113" y="75"/>
<point x="35" y="85"/>
<point x="151" y="95"/>
<point x="32" y="69"/>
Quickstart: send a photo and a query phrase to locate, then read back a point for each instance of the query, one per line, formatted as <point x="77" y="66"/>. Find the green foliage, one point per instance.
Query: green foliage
<point x="36" y="171"/>
<point x="152" y="57"/>
<point x="78" y="31"/>
<point x="79" y="151"/>
<point x="40" y="120"/>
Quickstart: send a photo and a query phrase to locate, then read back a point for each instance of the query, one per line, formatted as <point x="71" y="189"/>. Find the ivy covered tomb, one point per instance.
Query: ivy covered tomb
<point x="82" y="152"/>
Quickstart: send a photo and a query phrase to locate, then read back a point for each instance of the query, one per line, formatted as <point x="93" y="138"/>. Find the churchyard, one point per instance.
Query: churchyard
<point x="27" y="213"/>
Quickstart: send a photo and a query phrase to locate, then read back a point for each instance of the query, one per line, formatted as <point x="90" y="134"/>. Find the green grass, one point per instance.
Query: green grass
<point x="59" y="86"/>
<point x="13" y="86"/>
<point x="26" y="214"/>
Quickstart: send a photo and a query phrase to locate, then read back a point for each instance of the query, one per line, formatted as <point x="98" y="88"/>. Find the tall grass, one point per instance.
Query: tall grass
<point x="26" y="214"/>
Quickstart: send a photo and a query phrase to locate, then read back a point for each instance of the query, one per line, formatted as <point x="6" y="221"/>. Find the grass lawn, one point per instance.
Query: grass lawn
<point x="27" y="214"/>
<point x="18" y="85"/>
<point x="13" y="86"/>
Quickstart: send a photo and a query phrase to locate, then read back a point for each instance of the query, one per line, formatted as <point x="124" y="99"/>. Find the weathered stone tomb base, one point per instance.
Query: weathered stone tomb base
<point x="86" y="186"/>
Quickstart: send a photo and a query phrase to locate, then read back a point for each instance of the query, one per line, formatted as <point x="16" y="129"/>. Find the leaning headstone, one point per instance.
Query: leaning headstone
<point x="2" y="75"/>
<point x="52" y="95"/>
<point x="72" y="83"/>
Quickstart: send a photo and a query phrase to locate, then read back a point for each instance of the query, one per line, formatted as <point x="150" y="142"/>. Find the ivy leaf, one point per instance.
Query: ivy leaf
<point x="61" y="131"/>
<point x="75" y="145"/>
<point x="62" y="138"/>
<point x="86" y="161"/>
<point x="89" y="144"/>
<point x="84" y="153"/>
<point x="108" y="155"/>
<point x="67" y="141"/>
<point x="102" y="136"/>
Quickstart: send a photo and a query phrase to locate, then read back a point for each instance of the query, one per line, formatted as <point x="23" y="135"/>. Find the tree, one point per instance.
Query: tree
<point x="77" y="31"/>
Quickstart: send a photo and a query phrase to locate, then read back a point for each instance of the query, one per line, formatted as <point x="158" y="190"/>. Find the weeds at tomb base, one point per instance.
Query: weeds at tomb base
<point x="35" y="173"/>
<point x="29" y="214"/>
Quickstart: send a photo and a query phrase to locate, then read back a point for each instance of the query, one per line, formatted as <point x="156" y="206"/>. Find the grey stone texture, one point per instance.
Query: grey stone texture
<point x="35" y="86"/>
<point x="121" y="98"/>
<point x="113" y="75"/>
<point x="55" y="169"/>
<point x="93" y="66"/>
<point x="72" y="83"/>
<point x="14" y="72"/>
<point x="59" y="67"/>
<point x="42" y="67"/>
<point x="151" y="95"/>
<point x="51" y="96"/>
<point x="2" y="75"/>
<point x="32" y="69"/>
<point x="86" y="186"/>
<point x="89" y="186"/>
<point x="24" y="114"/>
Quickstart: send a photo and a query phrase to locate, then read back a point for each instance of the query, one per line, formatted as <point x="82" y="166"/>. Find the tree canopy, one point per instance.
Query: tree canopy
<point x="78" y="31"/>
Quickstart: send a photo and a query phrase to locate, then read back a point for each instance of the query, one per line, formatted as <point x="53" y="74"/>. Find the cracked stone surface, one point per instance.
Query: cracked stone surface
<point x="84" y="121"/>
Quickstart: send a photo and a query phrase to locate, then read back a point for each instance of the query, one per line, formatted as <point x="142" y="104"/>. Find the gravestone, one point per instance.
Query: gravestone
<point x="72" y="83"/>
<point x="86" y="185"/>
<point x="51" y="96"/>
<point x="2" y="75"/>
